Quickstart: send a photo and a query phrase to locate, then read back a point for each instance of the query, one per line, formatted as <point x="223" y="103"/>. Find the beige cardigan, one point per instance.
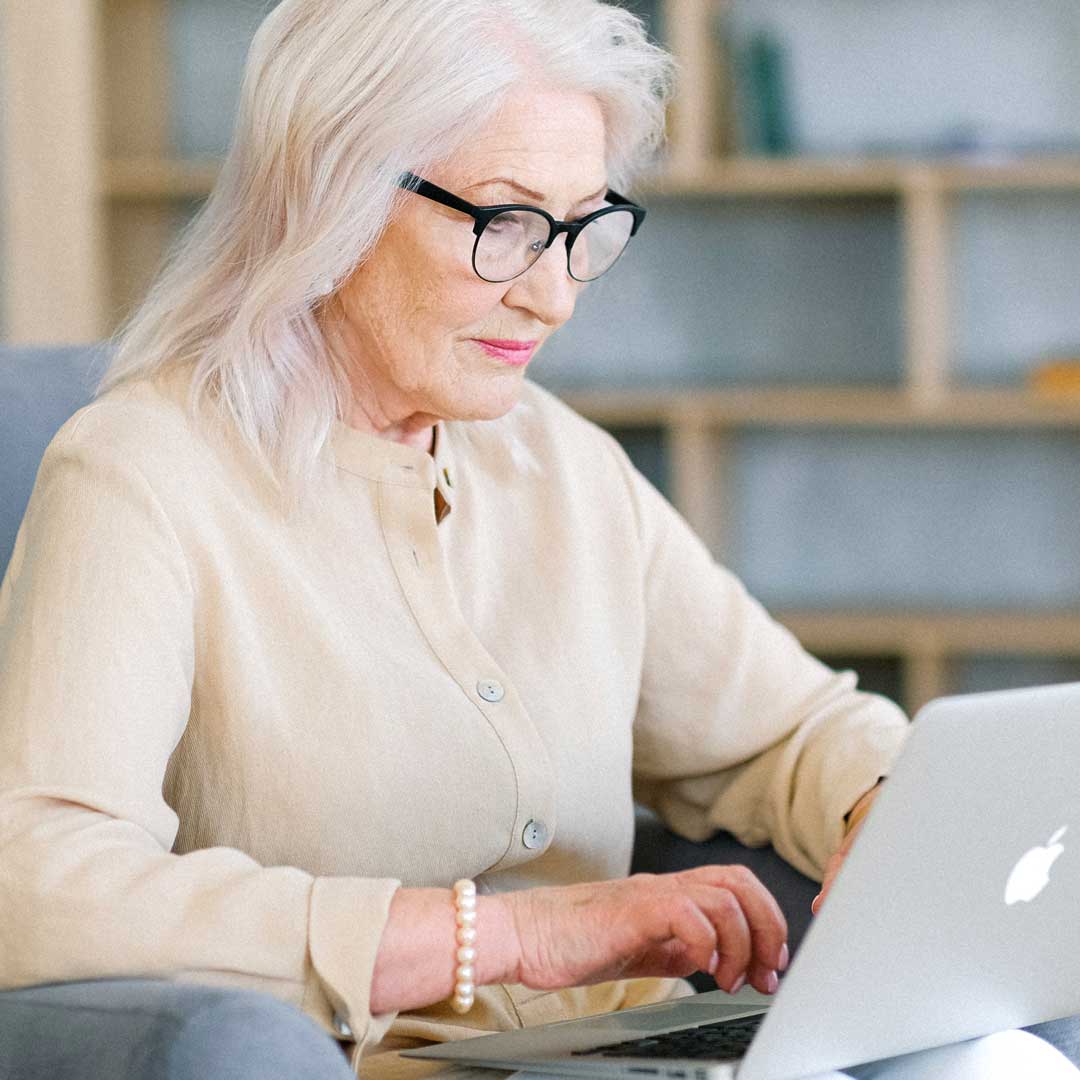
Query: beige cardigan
<point x="227" y="737"/>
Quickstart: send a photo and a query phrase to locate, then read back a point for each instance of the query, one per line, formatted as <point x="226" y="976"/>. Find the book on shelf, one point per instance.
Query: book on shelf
<point x="754" y="113"/>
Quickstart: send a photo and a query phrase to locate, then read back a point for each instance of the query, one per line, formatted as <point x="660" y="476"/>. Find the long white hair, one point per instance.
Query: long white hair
<point x="339" y="98"/>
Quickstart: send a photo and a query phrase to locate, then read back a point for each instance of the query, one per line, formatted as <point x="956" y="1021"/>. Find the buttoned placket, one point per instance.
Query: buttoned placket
<point x="411" y="533"/>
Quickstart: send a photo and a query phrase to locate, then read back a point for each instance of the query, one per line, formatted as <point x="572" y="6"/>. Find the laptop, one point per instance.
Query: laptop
<point x="954" y="916"/>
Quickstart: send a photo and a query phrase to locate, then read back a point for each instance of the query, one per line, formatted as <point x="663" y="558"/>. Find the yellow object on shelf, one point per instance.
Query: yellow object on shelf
<point x="1057" y="377"/>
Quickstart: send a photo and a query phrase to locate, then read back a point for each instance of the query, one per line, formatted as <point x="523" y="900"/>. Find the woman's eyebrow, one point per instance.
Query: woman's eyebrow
<point x="528" y="192"/>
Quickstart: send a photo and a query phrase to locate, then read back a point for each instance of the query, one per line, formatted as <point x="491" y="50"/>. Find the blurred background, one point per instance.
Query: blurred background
<point x="846" y="343"/>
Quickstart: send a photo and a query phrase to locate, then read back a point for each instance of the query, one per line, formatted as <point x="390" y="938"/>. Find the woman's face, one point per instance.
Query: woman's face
<point x="414" y="310"/>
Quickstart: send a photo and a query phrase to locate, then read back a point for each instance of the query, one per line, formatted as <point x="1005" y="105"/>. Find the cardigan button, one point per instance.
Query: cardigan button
<point x="490" y="690"/>
<point x="535" y="835"/>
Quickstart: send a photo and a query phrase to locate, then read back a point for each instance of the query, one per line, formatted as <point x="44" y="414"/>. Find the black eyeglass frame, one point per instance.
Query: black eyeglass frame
<point x="483" y="215"/>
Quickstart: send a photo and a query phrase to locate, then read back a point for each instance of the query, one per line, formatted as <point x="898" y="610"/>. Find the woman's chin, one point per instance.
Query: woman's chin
<point x="494" y="399"/>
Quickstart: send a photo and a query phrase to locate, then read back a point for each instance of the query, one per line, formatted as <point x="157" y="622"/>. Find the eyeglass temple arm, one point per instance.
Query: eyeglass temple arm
<point x="412" y="182"/>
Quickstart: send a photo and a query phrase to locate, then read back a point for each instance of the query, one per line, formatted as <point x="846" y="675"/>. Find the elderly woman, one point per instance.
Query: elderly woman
<point x="322" y="607"/>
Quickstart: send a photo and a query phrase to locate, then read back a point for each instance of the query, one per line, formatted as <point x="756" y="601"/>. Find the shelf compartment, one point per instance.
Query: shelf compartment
<point x="920" y="76"/>
<point x="696" y="299"/>
<point x="975" y="674"/>
<point x="882" y="519"/>
<point x="1014" y="290"/>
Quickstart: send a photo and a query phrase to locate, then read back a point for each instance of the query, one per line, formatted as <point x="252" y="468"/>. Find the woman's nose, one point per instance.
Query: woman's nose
<point x="546" y="289"/>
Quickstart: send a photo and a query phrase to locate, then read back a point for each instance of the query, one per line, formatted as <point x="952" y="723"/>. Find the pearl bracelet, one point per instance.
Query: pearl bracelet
<point x="465" y="917"/>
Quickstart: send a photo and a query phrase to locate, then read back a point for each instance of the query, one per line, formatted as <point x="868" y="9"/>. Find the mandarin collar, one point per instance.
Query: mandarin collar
<point x="365" y="454"/>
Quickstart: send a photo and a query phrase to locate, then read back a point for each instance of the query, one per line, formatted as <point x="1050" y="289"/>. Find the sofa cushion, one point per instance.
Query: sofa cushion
<point x="40" y="388"/>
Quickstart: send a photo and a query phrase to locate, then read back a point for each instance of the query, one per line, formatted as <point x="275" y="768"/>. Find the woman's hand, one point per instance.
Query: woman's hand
<point x="855" y="822"/>
<point x="719" y="919"/>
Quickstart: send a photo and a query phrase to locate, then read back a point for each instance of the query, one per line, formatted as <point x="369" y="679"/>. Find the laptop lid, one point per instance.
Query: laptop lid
<point x="955" y="914"/>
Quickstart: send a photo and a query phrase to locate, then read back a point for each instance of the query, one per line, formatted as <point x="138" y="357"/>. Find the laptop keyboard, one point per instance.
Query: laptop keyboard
<point x="725" y="1039"/>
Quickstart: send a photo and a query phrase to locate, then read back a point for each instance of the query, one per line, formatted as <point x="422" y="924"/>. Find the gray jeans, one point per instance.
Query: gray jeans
<point x="148" y="1029"/>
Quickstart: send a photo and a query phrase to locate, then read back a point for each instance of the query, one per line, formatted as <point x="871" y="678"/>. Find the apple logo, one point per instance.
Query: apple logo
<point x="1031" y="874"/>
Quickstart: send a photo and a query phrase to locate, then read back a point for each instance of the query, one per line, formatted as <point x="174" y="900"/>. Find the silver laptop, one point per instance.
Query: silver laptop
<point x="953" y="917"/>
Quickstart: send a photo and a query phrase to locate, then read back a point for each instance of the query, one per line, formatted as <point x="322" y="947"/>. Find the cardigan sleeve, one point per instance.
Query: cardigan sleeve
<point x="97" y="657"/>
<point x="738" y="727"/>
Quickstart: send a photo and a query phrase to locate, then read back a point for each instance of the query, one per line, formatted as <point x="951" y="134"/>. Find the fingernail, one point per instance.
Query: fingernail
<point x="772" y="981"/>
<point x="738" y="984"/>
<point x="714" y="962"/>
<point x="785" y="957"/>
<point x="816" y="903"/>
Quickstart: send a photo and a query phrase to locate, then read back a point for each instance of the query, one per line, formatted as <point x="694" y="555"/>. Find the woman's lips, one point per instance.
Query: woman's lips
<point x="515" y="353"/>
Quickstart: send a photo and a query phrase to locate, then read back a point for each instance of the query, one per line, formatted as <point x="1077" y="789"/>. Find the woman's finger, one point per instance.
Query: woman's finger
<point x="734" y="946"/>
<point x="692" y="925"/>
<point x="768" y="926"/>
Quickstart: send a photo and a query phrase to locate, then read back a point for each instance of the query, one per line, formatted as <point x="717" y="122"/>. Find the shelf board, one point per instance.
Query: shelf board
<point x="158" y="179"/>
<point x="780" y="177"/>
<point x="163" y="179"/>
<point x="873" y="633"/>
<point x="1037" y="174"/>
<point x="814" y="406"/>
<point x="829" y="178"/>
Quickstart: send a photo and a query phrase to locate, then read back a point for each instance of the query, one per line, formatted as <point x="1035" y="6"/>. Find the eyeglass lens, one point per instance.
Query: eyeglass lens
<point x="514" y="240"/>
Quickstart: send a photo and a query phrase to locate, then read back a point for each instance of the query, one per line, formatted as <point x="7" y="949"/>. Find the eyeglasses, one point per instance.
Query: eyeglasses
<point x="510" y="238"/>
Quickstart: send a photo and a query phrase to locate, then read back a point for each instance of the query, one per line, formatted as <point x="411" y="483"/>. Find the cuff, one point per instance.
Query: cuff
<point x="345" y="926"/>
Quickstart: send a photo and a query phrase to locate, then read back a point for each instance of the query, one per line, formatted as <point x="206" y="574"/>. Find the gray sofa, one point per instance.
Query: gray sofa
<point x="39" y="390"/>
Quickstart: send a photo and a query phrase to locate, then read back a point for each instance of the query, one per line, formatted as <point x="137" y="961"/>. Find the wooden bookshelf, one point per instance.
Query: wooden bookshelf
<point x="93" y="196"/>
